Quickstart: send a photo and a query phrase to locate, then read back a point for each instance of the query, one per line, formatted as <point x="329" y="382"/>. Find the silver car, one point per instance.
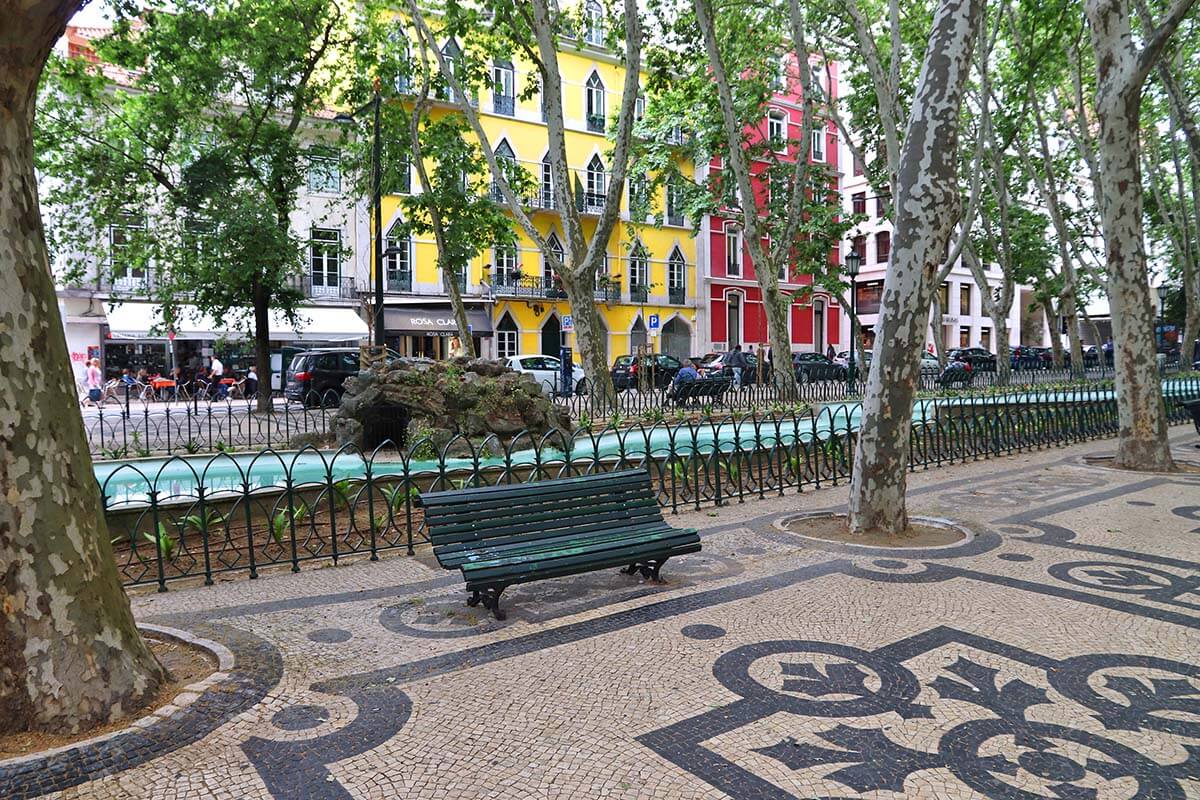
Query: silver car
<point x="546" y="371"/>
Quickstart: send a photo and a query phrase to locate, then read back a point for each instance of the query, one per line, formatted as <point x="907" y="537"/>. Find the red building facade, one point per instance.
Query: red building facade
<point x="735" y="308"/>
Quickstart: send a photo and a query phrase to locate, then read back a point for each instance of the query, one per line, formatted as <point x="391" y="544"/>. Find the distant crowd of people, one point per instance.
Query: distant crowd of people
<point x="209" y="382"/>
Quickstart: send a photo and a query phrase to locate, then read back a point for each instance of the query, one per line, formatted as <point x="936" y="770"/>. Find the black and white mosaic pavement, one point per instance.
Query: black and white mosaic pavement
<point x="1053" y="654"/>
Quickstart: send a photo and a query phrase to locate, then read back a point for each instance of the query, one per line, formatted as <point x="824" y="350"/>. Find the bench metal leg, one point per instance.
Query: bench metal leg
<point x="491" y="601"/>
<point x="649" y="570"/>
<point x="474" y="599"/>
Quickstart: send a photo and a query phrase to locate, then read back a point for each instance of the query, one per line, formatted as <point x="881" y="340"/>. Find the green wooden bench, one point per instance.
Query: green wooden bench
<point x="503" y="535"/>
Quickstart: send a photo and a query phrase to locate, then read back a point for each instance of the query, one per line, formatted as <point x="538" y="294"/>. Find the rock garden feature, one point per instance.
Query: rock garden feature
<point x="480" y="401"/>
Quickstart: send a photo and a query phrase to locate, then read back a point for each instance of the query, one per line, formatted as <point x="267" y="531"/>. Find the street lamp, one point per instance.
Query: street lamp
<point x="1160" y="336"/>
<point x="377" y="205"/>
<point x="853" y="264"/>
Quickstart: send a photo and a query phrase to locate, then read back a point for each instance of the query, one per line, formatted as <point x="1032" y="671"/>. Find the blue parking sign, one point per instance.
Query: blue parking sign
<point x="654" y="322"/>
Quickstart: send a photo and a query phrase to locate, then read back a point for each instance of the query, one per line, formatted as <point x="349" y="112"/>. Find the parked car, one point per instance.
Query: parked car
<point x="315" y="377"/>
<point x="1025" y="357"/>
<point x="718" y="367"/>
<point x="813" y="367"/>
<point x="546" y="370"/>
<point x="980" y="360"/>
<point x="626" y="370"/>
<point x="930" y="364"/>
<point x="956" y="373"/>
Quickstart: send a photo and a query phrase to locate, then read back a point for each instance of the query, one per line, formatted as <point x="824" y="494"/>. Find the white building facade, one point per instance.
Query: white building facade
<point x="108" y="311"/>
<point x="963" y="321"/>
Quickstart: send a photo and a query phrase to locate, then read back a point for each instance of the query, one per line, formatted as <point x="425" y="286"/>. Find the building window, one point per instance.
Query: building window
<point x="859" y="245"/>
<point x="675" y="135"/>
<point x="985" y="338"/>
<point x="595" y="103"/>
<point x="881" y="204"/>
<point x="593" y="22"/>
<point x="504" y="89"/>
<point x="504" y="260"/>
<point x="676" y="272"/>
<point x="733" y="251"/>
<point x="858" y="203"/>
<point x="818" y="145"/>
<point x="506" y="337"/>
<point x="506" y="159"/>
<point x="547" y="193"/>
<point x="777" y="130"/>
<point x="944" y="297"/>
<point x="868" y="296"/>
<point x="779" y="77"/>
<point x="397" y="259"/>
<point x="964" y="299"/>
<point x="128" y="270"/>
<point x="324" y="260"/>
<point x="883" y="247"/>
<point x="674" y="205"/>
<point x="639" y="108"/>
<point x="637" y="195"/>
<point x="451" y="54"/>
<point x="639" y="271"/>
<point x="403" y="176"/>
<point x="964" y="336"/>
<point x="593" y="199"/>
<point x="859" y="169"/>
<point x="555" y="247"/>
<point x="324" y="171"/>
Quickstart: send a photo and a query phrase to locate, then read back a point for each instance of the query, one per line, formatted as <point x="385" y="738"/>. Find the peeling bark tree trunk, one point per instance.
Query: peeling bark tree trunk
<point x="1121" y="69"/>
<point x="70" y="655"/>
<point x="926" y="201"/>
<point x="1053" y="320"/>
<point x="1071" y="313"/>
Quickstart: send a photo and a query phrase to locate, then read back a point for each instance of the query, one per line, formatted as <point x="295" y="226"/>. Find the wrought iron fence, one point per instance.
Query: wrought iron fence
<point x="652" y="391"/>
<point x="199" y="517"/>
<point x="127" y="427"/>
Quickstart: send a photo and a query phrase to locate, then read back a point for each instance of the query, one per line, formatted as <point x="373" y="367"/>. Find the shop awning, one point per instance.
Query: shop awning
<point x="435" y="320"/>
<point x="313" y="324"/>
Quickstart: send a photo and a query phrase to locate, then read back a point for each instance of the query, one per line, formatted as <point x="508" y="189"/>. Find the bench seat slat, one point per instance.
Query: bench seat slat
<point x="529" y="547"/>
<point x="520" y="562"/>
<point x="573" y="485"/>
<point x="448" y="513"/>
<point x="597" y="525"/>
<point x="569" y="566"/>
<point x="546" y="519"/>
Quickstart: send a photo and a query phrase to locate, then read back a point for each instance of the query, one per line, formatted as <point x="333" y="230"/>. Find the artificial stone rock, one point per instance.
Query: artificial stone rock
<point x="464" y="404"/>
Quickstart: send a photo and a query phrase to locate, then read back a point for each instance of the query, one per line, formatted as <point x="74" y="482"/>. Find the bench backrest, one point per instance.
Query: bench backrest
<point x="495" y="514"/>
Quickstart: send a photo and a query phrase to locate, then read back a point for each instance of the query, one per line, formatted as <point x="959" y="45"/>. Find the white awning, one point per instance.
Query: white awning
<point x="313" y="324"/>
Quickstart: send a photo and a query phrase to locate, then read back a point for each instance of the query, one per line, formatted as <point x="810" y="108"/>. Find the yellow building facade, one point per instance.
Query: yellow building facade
<point x="648" y="295"/>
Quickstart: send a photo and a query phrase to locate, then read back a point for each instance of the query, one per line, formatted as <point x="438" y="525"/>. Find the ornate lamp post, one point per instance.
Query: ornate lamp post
<point x="377" y="206"/>
<point x="853" y="264"/>
<point x="1163" y="291"/>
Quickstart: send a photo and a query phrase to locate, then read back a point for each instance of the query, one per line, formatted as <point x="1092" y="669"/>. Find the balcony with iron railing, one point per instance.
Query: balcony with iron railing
<point x="595" y="123"/>
<point x="504" y="104"/>
<point x="639" y="294"/>
<point x="675" y="219"/>
<point x="508" y="284"/>
<point x="399" y="281"/>
<point x="677" y="295"/>
<point x="129" y="282"/>
<point x="326" y="287"/>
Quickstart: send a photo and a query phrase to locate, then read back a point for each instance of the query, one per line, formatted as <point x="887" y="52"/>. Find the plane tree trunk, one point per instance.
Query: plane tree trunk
<point x="70" y="655"/>
<point x="926" y="201"/>
<point x="1121" y="70"/>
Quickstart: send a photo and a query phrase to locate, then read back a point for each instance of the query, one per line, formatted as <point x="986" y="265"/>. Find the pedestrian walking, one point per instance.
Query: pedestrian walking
<point x="830" y="353"/>
<point x="737" y="362"/>
<point x="94" y="381"/>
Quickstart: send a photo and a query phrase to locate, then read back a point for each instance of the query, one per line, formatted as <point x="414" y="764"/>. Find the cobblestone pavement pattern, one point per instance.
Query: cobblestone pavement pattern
<point x="1054" y="654"/>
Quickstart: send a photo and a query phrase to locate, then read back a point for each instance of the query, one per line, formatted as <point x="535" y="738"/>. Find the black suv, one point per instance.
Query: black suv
<point x="315" y="378"/>
<point x="980" y="360"/>
<point x="625" y="371"/>
<point x="812" y="367"/>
